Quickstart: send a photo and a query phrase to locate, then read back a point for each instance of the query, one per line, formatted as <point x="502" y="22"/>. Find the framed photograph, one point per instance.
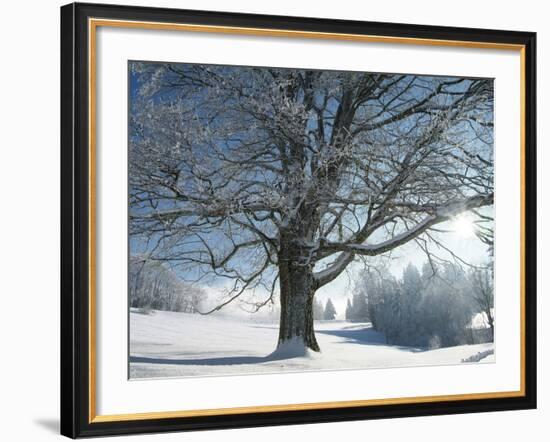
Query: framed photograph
<point x="274" y="220"/>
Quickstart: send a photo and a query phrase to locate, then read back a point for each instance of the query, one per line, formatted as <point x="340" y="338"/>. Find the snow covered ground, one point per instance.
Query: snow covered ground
<point x="168" y="344"/>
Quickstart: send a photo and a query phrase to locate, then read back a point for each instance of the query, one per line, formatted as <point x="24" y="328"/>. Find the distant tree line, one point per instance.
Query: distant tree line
<point x="326" y="313"/>
<point x="153" y="285"/>
<point x="358" y="310"/>
<point x="433" y="308"/>
<point x="320" y="312"/>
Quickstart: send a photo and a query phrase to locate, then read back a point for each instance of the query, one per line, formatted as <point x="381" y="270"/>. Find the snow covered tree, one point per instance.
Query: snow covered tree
<point x="411" y="296"/>
<point x="359" y="307"/>
<point x="482" y="290"/>
<point x="445" y="311"/>
<point x="152" y="285"/>
<point x="330" y="311"/>
<point x="318" y="311"/>
<point x="349" y="311"/>
<point x="280" y="178"/>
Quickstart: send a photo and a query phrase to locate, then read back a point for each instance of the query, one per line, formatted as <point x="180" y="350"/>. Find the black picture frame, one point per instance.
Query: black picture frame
<point x="75" y="221"/>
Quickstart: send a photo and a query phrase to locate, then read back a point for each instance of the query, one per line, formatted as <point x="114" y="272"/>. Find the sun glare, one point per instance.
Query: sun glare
<point x="463" y="225"/>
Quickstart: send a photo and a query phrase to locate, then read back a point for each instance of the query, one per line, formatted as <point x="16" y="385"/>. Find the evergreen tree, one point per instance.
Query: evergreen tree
<point x="318" y="311"/>
<point x="349" y="311"/>
<point x="360" y="310"/>
<point x="411" y="318"/>
<point x="330" y="311"/>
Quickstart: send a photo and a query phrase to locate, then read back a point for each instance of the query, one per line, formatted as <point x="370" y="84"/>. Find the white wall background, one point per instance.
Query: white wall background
<point x="29" y="219"/>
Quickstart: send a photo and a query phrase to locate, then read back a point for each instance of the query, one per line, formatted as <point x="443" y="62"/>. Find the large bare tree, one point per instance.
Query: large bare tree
<point x="280" y="178"/>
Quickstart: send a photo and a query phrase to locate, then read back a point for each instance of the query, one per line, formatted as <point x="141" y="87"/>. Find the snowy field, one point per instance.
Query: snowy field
<point x="168" y="344"/>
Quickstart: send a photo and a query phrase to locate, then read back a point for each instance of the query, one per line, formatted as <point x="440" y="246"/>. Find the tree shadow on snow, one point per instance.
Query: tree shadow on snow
<point x="365" y="336"/>
<point x="225" y="360"/>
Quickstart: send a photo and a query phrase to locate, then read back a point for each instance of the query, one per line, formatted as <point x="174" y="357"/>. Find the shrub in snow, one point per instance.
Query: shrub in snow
<point x="479" y="356"/>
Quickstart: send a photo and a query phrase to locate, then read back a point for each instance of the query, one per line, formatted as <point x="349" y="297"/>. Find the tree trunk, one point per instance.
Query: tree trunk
<point x="297" y="289"/>
<point x="491" y="324"/>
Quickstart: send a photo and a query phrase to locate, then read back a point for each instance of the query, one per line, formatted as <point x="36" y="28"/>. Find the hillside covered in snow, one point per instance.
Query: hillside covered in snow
<point x="169" y="344"/>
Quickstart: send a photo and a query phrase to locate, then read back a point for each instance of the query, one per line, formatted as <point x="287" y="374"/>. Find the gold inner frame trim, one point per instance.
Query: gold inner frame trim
<point x="93" y="24"/>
